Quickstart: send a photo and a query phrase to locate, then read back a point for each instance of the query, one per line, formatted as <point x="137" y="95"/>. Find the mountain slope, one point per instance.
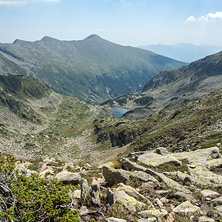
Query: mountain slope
<point x="184" y="51"/>
<point x="92" y="69"/>
<point x="176" y="87"/>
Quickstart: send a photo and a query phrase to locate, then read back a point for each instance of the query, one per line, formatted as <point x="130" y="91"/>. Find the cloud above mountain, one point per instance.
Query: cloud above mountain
<point x="22" y="2"/>
<point x="217" y="16"/>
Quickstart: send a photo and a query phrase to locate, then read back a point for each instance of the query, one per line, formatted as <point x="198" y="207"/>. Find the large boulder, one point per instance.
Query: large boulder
<point x="95" y="193"/>
<point x="129" y="165"/>
<point x="155" y="160"/>
<point x="114" y="176"/>
<point x="69" y="177"/>
<point x="128" y="202"/>
<point x="186" y="209"/>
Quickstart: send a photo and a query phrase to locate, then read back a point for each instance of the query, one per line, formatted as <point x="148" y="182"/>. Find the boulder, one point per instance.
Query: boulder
<point x="85" y="192"/>
<point x="209" y="194"/>
<point x="160" y="214"/>
<point x="128" y="202"/>
<point x="95" y="193"/>
<point x="129" y="165"/>
<point x="113" y="176"/>
<point x="69" y="177"/>
<point x="133" y="193"/>
<point x="161" y="151"/>
<point x="219" y="209"/>
<point x="186" y="209"/>
<point x="156" y="160"/>
<point x="142" y="176"/>
<point x="205" y="219"/>
<point x="173" y="184"/>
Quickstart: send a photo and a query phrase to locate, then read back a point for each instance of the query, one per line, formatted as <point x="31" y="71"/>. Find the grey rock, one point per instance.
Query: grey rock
<point x="161" y="213"/>
<point x="110" y="197"/>
<point x="209" y="194"/>
<point x="186" y="209"/>
<point x="129" y="165"/>
<point x="161" y="151"/>
<point x="142" y="176"/>
<point x="113" y="176"/>
<point x="151" y="219"/>
<point x="69" y="177"/>
<point x="95" y="193"/>
<point x="85" y="192"/>
<point x="219" y="209"/>
<point x="186" y="196"/>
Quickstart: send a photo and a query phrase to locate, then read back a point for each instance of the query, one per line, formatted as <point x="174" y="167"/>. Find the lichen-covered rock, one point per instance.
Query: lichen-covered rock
<point x="128" y="202"/>
<point x="151" y="219"/>
<point x="95" y="193"/>
<point x="142" y="176"/>
<point x="129" y="165"/>
<point x="113" y="176"/>
<point x="156" y="160"/>
<point x="133" y="193"/>
<point x="69" y="177"/>
<point x="219" y="209"/>
<point x="186" y="209"/>
<point x="173" y="184"/>
<point x="85" y="192"/>
<point x="209" y="194"/>
<point x="160" y="214"/>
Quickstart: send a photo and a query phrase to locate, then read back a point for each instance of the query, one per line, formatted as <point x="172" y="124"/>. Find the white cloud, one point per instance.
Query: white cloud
<point x="209" y="17"/>
<point x="21" y="2"/>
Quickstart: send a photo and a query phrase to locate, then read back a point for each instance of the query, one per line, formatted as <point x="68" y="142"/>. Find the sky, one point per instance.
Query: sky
<point x="126" y="22"/>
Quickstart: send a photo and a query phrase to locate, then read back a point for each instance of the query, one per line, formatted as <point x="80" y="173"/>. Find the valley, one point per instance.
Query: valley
<point x="160" y="161"/>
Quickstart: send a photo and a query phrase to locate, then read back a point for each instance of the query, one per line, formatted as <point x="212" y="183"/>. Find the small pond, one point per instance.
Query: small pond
<point x="119" y="112"/>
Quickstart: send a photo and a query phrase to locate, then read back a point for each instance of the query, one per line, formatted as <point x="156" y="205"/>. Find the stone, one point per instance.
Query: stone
<point x="113" y="219"/>
<point x="110" y="197"/>
<point x="205" y="219"/>
<point x="217" y="201"/>
<point x="69" y="177"/>
<point x="161" y="151"/>
<point x="85" y="192"/>
<point x="133" y="193"/>
<point x="209" y="194"/>
<point x="95" y="193"/>
<point x="160" y="214"/>
<point x="156" y="160"/>
<point x="142" y="176"/>
<point x="173" y="184"/>
<point x="128" y="202"/>
<point x="186" y="209"/>
<point x="114" y="176"/>
<point x="129" y="165"/>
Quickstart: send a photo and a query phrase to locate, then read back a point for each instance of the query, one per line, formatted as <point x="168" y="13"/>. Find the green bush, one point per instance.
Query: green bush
<point x="32" y="198"/>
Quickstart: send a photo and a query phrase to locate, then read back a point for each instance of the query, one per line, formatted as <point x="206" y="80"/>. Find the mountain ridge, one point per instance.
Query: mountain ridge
<point x="92" y="69"/>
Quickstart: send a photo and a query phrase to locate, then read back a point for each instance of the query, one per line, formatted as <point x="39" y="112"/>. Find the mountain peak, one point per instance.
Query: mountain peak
<point x="93" y="36"/>
<point x="47" y="39"/>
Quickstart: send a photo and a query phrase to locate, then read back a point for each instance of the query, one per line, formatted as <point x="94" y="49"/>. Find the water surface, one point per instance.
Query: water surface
<point x="119" y="112"/>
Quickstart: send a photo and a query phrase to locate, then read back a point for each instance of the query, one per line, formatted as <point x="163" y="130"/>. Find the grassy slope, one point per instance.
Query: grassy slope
<point x="178" y="126"/>
<point x="92" y="69"/>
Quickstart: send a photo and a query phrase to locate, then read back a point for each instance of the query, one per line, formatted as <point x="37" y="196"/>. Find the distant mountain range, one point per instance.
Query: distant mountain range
<point x="184" y="51"/>
<point x="92" y="69"/>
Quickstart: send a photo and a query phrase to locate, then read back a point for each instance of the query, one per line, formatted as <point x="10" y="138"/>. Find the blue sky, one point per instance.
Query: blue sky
<point x="127" y="22"/>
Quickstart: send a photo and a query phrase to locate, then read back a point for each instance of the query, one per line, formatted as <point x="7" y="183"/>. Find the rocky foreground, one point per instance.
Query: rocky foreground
<point x="146" y="186"/>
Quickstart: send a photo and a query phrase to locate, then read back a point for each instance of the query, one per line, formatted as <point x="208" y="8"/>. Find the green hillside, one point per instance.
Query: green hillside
<point x="92" y="69"/>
